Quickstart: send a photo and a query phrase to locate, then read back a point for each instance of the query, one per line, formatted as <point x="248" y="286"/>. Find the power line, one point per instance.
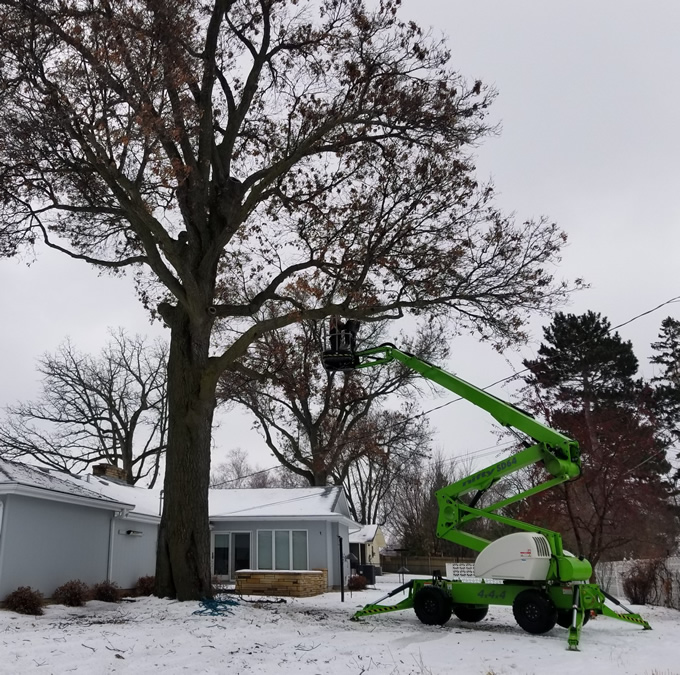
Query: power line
<point x="477" y="453"/>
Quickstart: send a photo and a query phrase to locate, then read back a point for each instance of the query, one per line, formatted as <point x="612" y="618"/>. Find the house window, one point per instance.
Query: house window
<point x="221" y="555"/>
<point x="282" y="549"/>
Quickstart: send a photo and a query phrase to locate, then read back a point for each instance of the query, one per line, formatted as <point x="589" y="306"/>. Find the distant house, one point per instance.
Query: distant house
<point x="366" y="544"/>
<point x="55" y="527"/>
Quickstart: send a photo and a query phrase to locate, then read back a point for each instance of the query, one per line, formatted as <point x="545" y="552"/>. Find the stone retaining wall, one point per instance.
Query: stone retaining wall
<point x="295" y="584"/>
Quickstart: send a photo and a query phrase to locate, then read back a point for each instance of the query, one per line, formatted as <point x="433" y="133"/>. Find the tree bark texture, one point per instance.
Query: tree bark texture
<point x="183" y="559"/>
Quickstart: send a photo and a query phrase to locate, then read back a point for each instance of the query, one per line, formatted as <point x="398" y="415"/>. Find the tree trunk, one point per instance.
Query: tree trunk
<point x="183" y="557"/>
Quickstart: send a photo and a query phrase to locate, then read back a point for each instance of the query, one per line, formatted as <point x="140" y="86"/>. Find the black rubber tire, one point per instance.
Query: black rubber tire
<point x="564" y="617"/>
<point x="470" y="612"/>
<point x="432" y="605"/>
<point x="534" y="611"/>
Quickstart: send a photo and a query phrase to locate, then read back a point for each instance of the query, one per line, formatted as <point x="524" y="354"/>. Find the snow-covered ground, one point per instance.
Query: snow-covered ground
<point x="315" y="636"/>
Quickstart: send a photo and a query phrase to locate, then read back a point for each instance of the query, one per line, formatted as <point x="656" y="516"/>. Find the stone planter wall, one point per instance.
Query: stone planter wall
<point x="294" y="584"/>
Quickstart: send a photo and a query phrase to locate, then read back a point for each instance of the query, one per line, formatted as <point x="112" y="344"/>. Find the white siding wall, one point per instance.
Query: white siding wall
<point x="133" y="556"/>
<point x="46" y="543"/>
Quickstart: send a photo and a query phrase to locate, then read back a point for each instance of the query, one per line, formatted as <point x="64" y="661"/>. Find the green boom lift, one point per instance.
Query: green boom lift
<point x="528" y="570"/>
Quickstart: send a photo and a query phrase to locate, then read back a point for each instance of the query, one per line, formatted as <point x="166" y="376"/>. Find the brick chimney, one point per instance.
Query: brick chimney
<point x="108" y="471"/>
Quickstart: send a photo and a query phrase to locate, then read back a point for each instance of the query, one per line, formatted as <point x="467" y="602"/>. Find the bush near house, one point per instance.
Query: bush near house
<point x="357" y="582"/>
<point x="25" y="600"/>
<point x="73" y="593"/>
<point x="649" y="582"/>
<point x="145" y="585"/>
<point x="106" y="591"/>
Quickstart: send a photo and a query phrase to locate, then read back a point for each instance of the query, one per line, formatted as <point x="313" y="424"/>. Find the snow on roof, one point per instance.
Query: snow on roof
<point x="147" y="501"/>
<point x="312" y="502"/>
<point x="275" y="502"/>
<point x="364" y="535"/>
<point x="231" y="503"/>
<point x="13" y="473"/>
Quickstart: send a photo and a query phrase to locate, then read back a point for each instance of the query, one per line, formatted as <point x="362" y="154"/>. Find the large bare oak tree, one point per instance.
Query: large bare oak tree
<point x="237" y="156"/>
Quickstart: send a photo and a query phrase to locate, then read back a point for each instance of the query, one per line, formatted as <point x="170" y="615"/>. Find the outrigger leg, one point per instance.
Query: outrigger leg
<point x="590" y="597"/>
<point x="629" y="616"/>
<point x="578" y="618"/>
<point x="376" y="608"/>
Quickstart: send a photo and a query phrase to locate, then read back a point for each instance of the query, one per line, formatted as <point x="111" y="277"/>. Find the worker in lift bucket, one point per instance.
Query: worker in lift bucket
<point x="343" y="337"/>
<point x="351" y="329"/>
<point x="335" y="334"/>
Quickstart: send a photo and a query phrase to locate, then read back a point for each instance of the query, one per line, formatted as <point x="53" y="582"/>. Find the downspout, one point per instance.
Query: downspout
<point x="112" y="534"/>
<point x="3" y="531"/>
<point x="329" y="553"/>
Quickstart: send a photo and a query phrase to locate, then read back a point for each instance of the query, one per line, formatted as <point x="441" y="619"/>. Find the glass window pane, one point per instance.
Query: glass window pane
<point x="241" y="551"/>
<point x="264" y="550"/>
<point x="282" y="549"/>
<point x="299" y="549"/>
<point x="221" y="555"/>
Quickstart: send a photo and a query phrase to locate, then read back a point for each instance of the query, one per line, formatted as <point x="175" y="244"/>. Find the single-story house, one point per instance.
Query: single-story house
<point x="94" y="528"/>
<point x="366" y="544"/>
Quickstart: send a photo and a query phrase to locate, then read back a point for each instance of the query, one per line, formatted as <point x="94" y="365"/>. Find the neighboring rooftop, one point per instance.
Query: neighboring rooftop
<point x="363" y="536"/>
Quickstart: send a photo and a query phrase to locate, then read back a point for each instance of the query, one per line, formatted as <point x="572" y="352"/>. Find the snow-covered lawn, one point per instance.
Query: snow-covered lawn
<point x="315" y="635"/>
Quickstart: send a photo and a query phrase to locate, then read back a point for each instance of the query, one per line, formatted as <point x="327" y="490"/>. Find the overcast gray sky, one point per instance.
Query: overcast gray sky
<point x="589" y="101"/>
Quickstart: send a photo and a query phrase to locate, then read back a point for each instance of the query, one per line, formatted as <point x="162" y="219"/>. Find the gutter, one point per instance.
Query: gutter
<point x="56" y="496"/>
<point x="333" y="517"/>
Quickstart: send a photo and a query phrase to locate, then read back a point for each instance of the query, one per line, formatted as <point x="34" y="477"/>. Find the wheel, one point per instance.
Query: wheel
<point x="470" y="612"/>
<point x="564" y="617"/>
<point x="432" y="605"/>
<point x="534" y="611"/>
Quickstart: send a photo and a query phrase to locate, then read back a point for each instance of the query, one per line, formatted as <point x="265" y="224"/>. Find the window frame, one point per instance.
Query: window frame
<point x="272" y="540"/>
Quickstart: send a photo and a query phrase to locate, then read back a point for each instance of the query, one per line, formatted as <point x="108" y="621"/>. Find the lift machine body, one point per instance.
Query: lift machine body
<point x="529" y="569"/>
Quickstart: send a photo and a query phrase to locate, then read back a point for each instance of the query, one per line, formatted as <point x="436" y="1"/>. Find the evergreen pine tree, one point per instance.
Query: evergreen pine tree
<point x="667" y="382"/>
<point x="584" y="382"/>
<point x="581" y="361"/>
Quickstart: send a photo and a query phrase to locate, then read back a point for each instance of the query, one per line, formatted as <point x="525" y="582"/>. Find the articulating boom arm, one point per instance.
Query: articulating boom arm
<point x="559" y="454"/>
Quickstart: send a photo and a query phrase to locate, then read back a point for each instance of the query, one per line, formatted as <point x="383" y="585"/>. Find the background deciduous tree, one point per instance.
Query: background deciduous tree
<point x="415" y="512"/>
<point x="320" y="425"/>
<point x="237" y="472"/>
<point x="231" y="153"/>
<point x="111" y="408"/>
<point x="413" y="522"/>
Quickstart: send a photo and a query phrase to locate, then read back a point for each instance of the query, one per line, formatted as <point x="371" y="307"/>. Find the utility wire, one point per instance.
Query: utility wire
<point x="476" y="453"/>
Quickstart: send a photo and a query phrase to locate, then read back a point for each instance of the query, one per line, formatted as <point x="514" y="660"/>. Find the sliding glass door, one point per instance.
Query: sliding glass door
<point x="230" y="553"/>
